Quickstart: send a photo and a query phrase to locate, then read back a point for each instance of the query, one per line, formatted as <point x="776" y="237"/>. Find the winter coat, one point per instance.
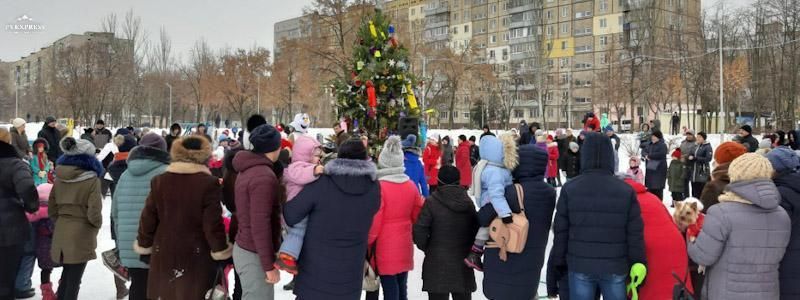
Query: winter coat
<point x="743" y="240"/>
<point x="664" y="246"/>
<point x="677" y="184"/>
<point x="615" y="140"/>
<point x="495" y="177"/>
<point x="181" y="229"/>
<point x="595" y="121"/>
<point x="552" y="160"/>
<point x="415" y="171"/>
<point x="391" y="228"/>
<point x="474" y="154"/>
<point x="702" y="157"/>
<point x="171" y="138"/>
<point x="20" y="141"/>
<point x="432" y="158"/>
<point x="53" y="137"/>
<point x="656" y="179"/>
<point x="258" y="207"/>
<point x="101" y="138"/>
<point x="75" y="206"/>
<point x="447" y="155"/>
<point x="513" y="278"/>
<point x="563" y="148"/>
<point x="445" y="231"/>
<point x="301" y="171"/>
<point x="116" y="168"/>
<point x="17" y="195"/>
<point x="572" y="164"/>
<point x="688" y="147"/>
<point x="598" y="225"/>
<point x="463" y="164"/>
<point x="340" y="207"/>
<point x="714" y="188"/>
<point x="229" y="175"/>
<point x="750" y="143"/>
<point x="133" y="187"/>
<point x="34" y="162"/>
<point x="789" y="188"/>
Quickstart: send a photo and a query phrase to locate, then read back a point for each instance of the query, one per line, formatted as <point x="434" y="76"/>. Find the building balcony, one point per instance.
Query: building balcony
<point x="522" y="40"/>
<point x="438" y="38"/>
<point x="521" y="8"/>
<point x="431" y="25"/>
<point x="521" y="23"/>
<point x="437" y="10"/>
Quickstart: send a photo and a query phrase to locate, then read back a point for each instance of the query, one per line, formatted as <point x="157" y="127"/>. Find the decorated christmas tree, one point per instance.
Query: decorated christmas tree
<point x="380" y="89"/>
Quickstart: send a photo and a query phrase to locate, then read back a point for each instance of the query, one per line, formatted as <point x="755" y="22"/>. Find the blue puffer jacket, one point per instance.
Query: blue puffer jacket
<point x="416" y="171"/>
<point x="502" y="158"/>
<point x="144" y="163"/>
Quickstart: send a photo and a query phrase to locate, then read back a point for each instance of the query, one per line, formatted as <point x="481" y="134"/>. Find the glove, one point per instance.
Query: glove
<point x="508" y="220"/>
<point x="637" y="275"/>
<point x="42" y="174"/>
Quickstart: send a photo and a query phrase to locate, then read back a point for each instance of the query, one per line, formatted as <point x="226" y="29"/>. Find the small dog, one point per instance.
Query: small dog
<point x="690" y="220"/>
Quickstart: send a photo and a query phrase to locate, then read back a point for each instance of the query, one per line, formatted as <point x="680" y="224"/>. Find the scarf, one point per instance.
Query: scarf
<point x="394" y="175"/>
<point x="42" y="159"/>
<point x="475" y="189"/>
<point x="121" y="156"/>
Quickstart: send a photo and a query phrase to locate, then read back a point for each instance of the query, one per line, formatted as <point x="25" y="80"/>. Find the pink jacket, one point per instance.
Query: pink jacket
<point x="392" y="226"/>
<point x="44" y="194"/>
<point x="301" y="171"/>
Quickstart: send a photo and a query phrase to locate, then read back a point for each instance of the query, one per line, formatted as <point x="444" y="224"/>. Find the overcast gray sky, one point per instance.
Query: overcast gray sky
<point x="228" y="23"/>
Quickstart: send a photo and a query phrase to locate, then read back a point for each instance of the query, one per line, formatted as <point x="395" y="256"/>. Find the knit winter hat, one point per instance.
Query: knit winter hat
<point x="122" y="131"/>
<point x="784" y="160"/>
<point x="659" y="135"/>
<point x="265" y="139"/>
<point x="44" y="191"/>
<point x="153" y="140"/>
<point x="677" y="153"/>
<point x="750" y="166"/>
<point x="728" y="151"/>
<point x="255" y="121"/>
<point x="125" y="143"/>
<point x="18" y="122"/>
<point x="449" y="175"/>
<point x="49" y="120"/>
<point x="434" y="137"/>
<point x="410" y="141"/>
<point x="765" y="144"/>
<point x="392" y="154"/>
<point x="353" y="149"/>
<point x="747" y="128"/>
<point x="574" y="146"/>
<point x="72" y="147"/>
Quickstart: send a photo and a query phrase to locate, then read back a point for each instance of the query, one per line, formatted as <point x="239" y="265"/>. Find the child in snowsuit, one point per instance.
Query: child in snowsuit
<point x="490" y="178"/>
<point x="304" y="169"/>
<point x="634" y="171"/>
<point x="677" y="177"/>
<point x="43" y="239"/>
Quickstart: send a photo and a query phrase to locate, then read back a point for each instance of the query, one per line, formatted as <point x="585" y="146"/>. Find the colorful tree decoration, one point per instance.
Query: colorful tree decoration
<point x="380" y="89"/>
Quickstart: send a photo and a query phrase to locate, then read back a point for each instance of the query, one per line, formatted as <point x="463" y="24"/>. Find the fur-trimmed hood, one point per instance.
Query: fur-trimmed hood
<point x="6" y="151"/>
<point x="500" y="151"/>
<point x="191" y="149"/>
<point x="597" y="153"/>
<point x="352" y="176"/>
<point x="144" y="159"/>
<point x="83" y="162"/>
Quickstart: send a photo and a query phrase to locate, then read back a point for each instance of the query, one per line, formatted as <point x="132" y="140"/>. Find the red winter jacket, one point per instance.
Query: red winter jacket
<point x="392" y="226"/>
<point x="664" y="246"/>
<point x="432" y="158"/>
<point x="552" y="160"/>
<point x="595" y="122"/>
<point x="463" y="163"/>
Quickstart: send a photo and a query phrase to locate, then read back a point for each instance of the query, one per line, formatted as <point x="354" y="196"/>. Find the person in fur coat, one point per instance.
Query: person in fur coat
<point x="181" y="224"/>
<point x="40" y="165"/>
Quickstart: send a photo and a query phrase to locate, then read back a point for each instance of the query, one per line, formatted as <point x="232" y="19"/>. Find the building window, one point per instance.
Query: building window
<point x="565" y="28"/>
<point x="518" y="113"/>
<point x="493" y="39"/>
<point x="564" y="61"/>
<point x="563" y="45"/>
<point x="564" y="12"/>
<point x="603" y="5"/>
<point x="465" y="115"/>
<point x="466" y="28"/>
<point x="494" y="8"/>
<point x="443" y="115"/>
<point x="603" y="40"/>
<point x="455" y="30"/>
<point x="492" y="24"/>
<point x="550" y="30"/>
<point x="549" y="14"/>
<point x="534" y="113"/>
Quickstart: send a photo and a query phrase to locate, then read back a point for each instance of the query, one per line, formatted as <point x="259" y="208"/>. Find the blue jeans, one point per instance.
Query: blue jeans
<point x="293" y="241"/>
<point x="584" y="286"/>
<point x="26" y="265"/>
<point x="395" y="287"/>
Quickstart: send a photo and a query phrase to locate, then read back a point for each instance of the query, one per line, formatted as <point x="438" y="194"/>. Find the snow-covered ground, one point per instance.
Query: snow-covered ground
<point x="98" y="282"/>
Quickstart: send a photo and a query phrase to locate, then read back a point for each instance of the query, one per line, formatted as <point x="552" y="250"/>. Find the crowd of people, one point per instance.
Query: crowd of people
<point x="187" y="209"/>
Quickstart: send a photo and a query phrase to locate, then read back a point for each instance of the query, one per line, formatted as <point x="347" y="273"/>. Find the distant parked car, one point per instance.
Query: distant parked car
<point x="625" y="128"/>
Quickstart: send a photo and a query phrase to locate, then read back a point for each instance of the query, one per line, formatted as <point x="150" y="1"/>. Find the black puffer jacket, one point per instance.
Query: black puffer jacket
<point x="656" y="179"/>
<point x="789" y="187"/>
<point x="517" y="277"/>
<point x="17" y="195"/>
<point x="598" y="225"/>
<point x="53" y="137"/>
<point x="445" y="230"/>
<point x="750" y="143"/>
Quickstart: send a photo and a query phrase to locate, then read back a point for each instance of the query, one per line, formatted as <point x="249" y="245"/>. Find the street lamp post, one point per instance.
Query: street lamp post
<point x="258" y="94"/>
<point x="170" y="102"/>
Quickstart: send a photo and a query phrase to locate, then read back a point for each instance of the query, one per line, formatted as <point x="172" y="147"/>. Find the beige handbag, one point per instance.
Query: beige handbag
<point x="513" y="236"/>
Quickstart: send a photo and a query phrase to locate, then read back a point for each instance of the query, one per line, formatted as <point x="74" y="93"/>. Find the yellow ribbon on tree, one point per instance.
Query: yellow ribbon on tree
<point x="412" y="100"/>
<point x="372" y="30"/>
